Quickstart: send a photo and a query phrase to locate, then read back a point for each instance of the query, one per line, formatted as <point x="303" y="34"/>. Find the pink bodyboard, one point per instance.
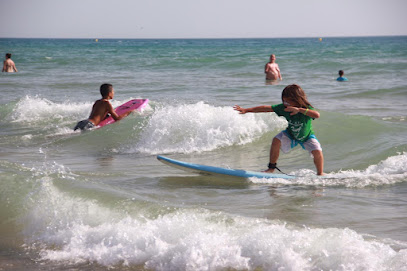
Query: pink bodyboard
<point x="136" y="104"/>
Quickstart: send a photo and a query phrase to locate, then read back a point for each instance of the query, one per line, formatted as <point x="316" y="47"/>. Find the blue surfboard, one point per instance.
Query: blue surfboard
<point x="210" y="170"/>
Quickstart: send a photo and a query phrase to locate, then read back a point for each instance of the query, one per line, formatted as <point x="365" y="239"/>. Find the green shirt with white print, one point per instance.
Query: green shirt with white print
<point x="299" y="125"/>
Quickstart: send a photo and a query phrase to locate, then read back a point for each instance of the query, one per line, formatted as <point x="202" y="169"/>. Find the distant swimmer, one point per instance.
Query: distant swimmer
<point x="8" y="64"/>
<point x="272" y="70"/>
<point x="341" y="77"/>
<point x="100" y="110"/>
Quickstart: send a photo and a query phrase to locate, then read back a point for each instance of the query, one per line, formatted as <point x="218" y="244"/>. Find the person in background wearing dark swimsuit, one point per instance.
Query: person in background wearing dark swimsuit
<point x="9" y="65"/>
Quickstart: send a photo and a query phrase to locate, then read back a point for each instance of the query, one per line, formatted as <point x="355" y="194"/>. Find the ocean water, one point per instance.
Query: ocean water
<point x="101" y="200"/>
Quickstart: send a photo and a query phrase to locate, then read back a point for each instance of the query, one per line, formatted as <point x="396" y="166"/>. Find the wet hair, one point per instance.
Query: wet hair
<point x="297" y="94"/>
<point x="105" y="89"/>
<point x="8" y="55"/>
<point x="341" y="72"/>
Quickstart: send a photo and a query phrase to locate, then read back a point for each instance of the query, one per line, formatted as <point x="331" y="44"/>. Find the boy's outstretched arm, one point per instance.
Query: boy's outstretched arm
<point x="114" y="115"/>
<point x="256" y="109"/>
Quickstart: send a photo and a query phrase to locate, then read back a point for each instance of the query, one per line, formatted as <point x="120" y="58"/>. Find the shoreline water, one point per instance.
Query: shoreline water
<point x="101" y="200"/>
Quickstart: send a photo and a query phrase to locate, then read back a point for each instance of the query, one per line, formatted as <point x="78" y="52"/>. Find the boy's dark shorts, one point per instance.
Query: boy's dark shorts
<point x="84" y="125"/>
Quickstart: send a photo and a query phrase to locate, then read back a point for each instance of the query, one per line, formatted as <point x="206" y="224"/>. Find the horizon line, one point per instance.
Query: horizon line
<point x="209" y="38"/>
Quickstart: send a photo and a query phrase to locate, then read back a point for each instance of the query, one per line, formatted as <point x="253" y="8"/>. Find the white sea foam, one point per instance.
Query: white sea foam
<point x="213" y="241"/>
<point x="73" y="229"/>
<point x="204" y="240"/>
<point x="201" y="127"/>
<point x="390" y="171"/>
<point x="35" y="109"/>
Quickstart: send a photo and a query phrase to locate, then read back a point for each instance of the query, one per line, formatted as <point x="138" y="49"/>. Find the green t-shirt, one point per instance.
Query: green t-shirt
<point x="299" y="125"/>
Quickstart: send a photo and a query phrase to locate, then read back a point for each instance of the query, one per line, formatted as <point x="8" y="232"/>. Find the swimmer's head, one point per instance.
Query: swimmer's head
<point x="106" y="89"/>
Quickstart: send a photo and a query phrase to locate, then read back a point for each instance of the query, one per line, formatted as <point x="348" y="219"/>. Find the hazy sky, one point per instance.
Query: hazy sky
<point x="201" y="18"/>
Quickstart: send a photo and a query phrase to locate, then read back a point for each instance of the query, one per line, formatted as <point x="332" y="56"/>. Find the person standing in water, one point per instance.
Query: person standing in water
<point x="9" y="65"/>
<point x="299" y="113"/>
<point x="272" y="70"/>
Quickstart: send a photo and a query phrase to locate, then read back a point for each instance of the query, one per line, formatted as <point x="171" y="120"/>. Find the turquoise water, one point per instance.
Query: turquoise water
<point x="101" y="200"/>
